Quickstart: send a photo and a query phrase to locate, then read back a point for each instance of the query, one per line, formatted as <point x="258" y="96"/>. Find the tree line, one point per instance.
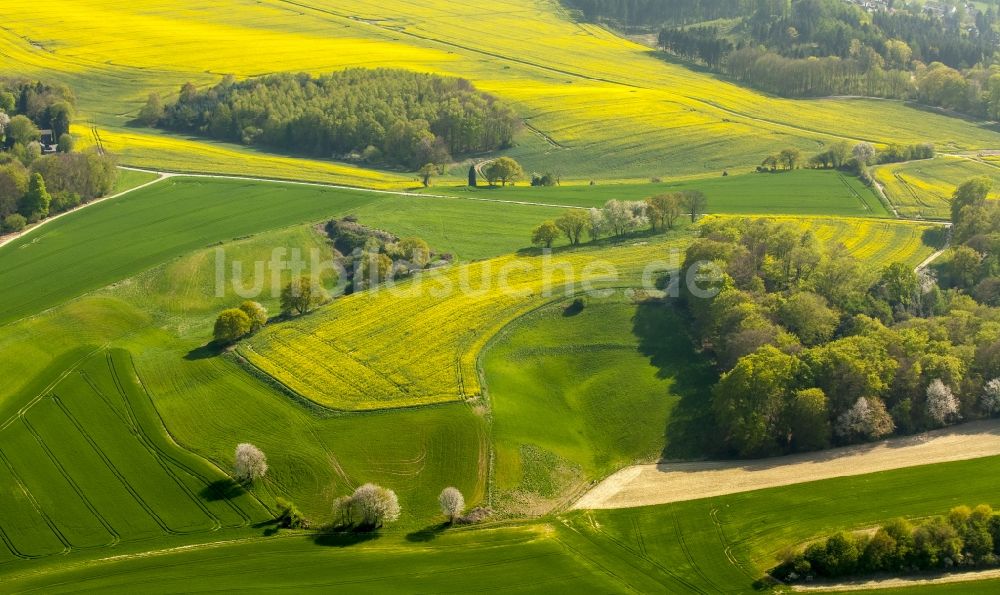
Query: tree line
<point x="639" y="13"/>
<point x="620" y="218"/>
<point x="815" y="349"/>
<point x="966" y="538"/>
<point x="815" y="48"/>
<point x="33" y="184"/>
<point x="843" y="155"/>
<point x="380" y="116"/>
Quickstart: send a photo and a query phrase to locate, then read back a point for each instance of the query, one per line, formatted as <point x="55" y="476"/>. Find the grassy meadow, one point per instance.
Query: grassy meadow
<point x="598" y="106"/>
<point x="704" y="546"/>
<point x="578" y="393"/>
<point x="798" y="192"/>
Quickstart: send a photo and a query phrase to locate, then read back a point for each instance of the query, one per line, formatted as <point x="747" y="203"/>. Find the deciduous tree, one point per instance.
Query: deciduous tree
<point x="231" y="325"/>
<point x="545" y="234"/>
<point x="452" y="503"/>
<point x="251" y="464"/>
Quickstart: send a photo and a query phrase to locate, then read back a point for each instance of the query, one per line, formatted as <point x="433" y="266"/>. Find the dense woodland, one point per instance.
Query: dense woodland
<point x="381" y="116"/>
<point x="39" y="180"/>
<point x="814" y="350"/>
<point x="940" y="55"/>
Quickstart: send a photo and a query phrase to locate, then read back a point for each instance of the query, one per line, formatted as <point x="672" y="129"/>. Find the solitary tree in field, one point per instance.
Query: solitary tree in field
<point x="504" y="170"/>
<point x="473" y="182"/>
<point x="452" y="503"/>
<point x="376" y="505"/>
<point x="572" y="223"/>
<point x="231" y="326"/>
<point x="694" y="202"/>
<point x="301" y="296"/>
<point x="251" y="464"/>
<point x="545" y="234"/>
<point x="257" y="314"/>
<point x="942" y="406"/>
<point x="427" y="172"/>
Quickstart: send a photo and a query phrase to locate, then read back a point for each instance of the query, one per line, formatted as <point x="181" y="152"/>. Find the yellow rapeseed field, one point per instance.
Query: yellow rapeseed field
<point x="418" y="343"/>
<point x="599" y="106"/>
<point x="923" y="189"/>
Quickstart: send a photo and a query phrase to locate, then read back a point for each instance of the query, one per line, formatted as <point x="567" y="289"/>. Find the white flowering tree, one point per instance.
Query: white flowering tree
<point x="452" y="503"/>
<point x="942" y="406"/>
<point x="990" y="399"/>
<point x="376" y="505"/>
<point x="251" y="464"/>
<point x="867" y="419"/>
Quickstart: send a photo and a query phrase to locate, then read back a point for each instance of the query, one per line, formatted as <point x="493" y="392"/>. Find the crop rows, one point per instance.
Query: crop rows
<point x="83" y="467"/>
<point x="923" y="189"/>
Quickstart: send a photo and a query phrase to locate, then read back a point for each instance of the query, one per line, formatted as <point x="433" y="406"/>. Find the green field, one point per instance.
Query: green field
<point x="128" y="179"/>
<point x="703" y="546"/>
<point x="577" y="395"/>
<point x="119" y="423"/>
<point x="117" y="239"/>
<point x="87" y="463"/>
<point x="798" y="192"/>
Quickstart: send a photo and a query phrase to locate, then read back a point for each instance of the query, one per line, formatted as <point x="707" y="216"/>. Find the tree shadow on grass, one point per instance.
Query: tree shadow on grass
<point x="345" y="538"/>
<point x="427" y="533"/>
<point x="204" y="352"/>
<point x="665" y="338"/>
<point x="222" y="489"/>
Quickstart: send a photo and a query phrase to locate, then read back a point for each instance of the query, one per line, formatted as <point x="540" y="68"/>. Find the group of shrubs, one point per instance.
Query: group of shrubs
<point x="966" y="538"/>
<point x="371" y="256"/>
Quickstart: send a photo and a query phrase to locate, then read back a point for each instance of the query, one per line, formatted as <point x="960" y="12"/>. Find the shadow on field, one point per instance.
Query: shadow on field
<point x="204" y="352"/>
<point x="936" y="237"/>
<point x="345" y="538"/>
<point x="427" y="533"/>
<point x="664" y="337"/>
<point x="222" y="489"/>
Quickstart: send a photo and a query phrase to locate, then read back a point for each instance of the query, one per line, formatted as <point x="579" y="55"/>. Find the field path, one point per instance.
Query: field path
<point x="662" y="483"/>
<point x="165" y="174"/>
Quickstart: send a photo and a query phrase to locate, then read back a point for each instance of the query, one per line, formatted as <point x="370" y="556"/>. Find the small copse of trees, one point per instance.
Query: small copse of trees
<point x="966" y="538"/>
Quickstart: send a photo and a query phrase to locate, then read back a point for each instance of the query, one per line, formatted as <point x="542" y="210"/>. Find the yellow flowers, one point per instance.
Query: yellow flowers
<point x="924" y="188"/>
<point x="418" y="343"/>
<point x="603" y="107"/>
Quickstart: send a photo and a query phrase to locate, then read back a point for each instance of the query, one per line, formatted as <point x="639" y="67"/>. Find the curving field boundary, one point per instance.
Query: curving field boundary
<point x="664" y="482"/>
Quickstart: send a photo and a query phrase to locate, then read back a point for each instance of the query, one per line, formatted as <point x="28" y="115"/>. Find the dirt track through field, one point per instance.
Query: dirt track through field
<point x="661" y="483"/>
